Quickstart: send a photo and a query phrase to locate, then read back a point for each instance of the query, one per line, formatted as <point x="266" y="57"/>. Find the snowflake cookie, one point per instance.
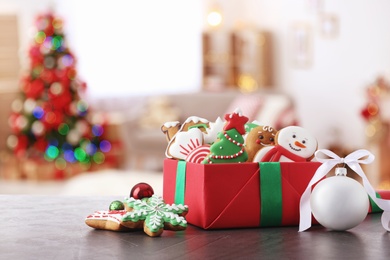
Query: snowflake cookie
<point x="150" y="214"/>
<point x="154" y="215"/>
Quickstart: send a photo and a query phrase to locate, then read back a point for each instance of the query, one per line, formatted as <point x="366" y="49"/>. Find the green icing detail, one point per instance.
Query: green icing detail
<point x="229" y="148"/>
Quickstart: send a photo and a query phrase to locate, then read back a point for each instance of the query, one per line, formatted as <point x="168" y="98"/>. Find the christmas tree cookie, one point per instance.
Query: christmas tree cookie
<point x="229" y="147"/>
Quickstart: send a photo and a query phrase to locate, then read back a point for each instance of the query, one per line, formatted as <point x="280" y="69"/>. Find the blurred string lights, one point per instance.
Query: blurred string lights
<point x="50" y="119"/>
<point x="375" y="112"/>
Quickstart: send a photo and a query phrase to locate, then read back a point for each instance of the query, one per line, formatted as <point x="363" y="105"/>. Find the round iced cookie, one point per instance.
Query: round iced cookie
<point x="292" y="144"/>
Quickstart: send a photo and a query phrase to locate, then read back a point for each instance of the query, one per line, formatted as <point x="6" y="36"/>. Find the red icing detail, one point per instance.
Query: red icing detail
<point x="184" y="150"/>
<point x="277" y="151"/>
<point x="235" y="121"/>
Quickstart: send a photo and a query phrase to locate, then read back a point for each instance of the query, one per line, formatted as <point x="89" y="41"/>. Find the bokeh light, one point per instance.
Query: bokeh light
<point x="80" y="154"/>
<point x="52" y="152"/>
<point x="63" y="129"/>
<point x="98" y="157"/>
<point x="29" y="105"/>
<point x="56" y="88"/>
<point x="50" y="117"/>
<point x="82" y="106"/>
<point x="56" y="42"/>
<point x="91" y="149"/>
<point x="69" y="156"/>
<point x="105" y="146"/>
<point x="214" y="18"/>
<point x="48" y="42"/>
<point x="60" y="163"/>
<point x="12" y="141"/>
<point x="66" y="60"/>
<point x="38" y="128"/>
<point x="40" y="37"/>
<point x="38" y="112"/>
<point x="57" y="23"/>
<point x="97" y="130"/>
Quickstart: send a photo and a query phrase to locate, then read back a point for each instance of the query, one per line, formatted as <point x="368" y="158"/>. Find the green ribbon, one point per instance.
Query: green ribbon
<point x="374" y="207"/>
<point x="270" y="194"/>
<point x="270" y="191"/>
<point x="180" y="182"/>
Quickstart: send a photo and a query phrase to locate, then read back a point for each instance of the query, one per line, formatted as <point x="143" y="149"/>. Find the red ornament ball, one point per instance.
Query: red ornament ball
<point x="141" y="190"/>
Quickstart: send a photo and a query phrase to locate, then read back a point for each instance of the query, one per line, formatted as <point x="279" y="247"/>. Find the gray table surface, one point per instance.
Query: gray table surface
<point x="52" y="227"/>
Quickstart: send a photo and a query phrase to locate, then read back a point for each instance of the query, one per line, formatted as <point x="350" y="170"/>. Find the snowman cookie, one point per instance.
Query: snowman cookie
<point x="292" y="144"/>
<point x="258" y="138"/>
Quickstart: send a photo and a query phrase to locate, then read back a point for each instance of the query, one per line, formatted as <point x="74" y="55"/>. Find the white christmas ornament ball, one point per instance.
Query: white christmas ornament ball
<point x="339" y="203"/>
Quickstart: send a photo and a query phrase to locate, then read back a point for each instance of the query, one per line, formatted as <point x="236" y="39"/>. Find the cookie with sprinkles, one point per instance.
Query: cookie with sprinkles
<point x="229" y="147"/>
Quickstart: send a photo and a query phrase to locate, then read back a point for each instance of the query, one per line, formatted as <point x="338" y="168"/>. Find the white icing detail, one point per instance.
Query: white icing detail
<point x="107" y="215"/>
<point x="238" y="111"/>
<point x="185" y="142"/>
<point x="268" y="129"/>
<point x="212" y="132"/>
<point x="171" y="124"/>
<point x="196" y="120"/>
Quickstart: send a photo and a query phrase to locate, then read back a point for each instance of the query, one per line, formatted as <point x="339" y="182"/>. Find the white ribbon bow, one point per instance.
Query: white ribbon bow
<point x="353" y="160"/>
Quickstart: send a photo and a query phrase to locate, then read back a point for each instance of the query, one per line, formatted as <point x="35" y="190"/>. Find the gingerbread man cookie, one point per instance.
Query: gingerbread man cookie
<point x="258" y="138"/>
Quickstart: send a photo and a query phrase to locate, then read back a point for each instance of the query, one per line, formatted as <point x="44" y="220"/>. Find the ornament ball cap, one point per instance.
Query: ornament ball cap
<point x="340" y="171"/>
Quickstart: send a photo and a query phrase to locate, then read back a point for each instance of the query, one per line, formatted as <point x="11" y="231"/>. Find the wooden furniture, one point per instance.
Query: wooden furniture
<point x="9" y="47"/>
<point x="8" y="93"/>
<point x="52" y="227"/>
<point x="239" y="59"/>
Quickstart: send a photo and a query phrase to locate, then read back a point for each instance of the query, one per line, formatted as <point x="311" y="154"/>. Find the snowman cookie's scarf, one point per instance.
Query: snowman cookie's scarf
<point x="278" y="151"/>
<point x="353" y="160"/>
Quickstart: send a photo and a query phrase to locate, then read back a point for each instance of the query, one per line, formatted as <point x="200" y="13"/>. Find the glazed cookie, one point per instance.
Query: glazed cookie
<point x="189" y="137"/>
<point x="229" y="147"/>
<point x="150" y="214"/>
<point x="212" y="131"/>
<point x="154" y="215"/>
<point x="170" y="129"/>
<point x="292" y="144"/>
<point x="107" y="220"/>
<point x="258" y="138"/>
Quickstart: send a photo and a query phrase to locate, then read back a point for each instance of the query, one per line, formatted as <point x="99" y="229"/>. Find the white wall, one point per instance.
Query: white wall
<point x="330" y="93"/>
<point x="124" y="47"/>
<point x="135" y="47"/>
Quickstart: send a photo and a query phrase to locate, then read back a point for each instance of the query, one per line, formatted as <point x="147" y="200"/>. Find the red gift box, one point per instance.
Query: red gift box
<point x="238" y="195"/>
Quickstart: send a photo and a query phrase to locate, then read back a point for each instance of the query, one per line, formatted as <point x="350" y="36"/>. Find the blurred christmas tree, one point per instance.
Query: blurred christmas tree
<point x="50" y="120"/>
